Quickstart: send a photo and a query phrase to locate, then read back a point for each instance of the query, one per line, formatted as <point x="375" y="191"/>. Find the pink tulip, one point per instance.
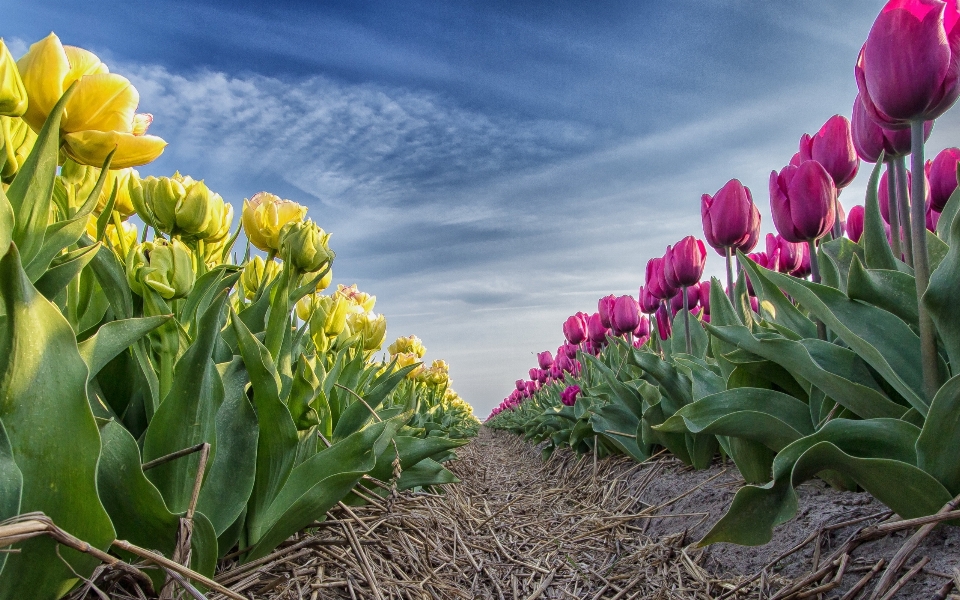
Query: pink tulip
<point x="804" y="269"/>
<point x="596" y="332"/>
<point x="755" y="304"/>
<point x="575" y="328"/>
<point x="943" y="177"/>
<point x="787" y="255"/>
<point x="664" y="327"/>
<point x="534" y="373"/>
<point x="693" y="298"/>
<point x="643" y="328"/>
<point x="883" y="195"/>
<point x="729" y="217"/>
<point x="802" y="201"/>
<point x="626" y="315"/>
<point x="933" y="217"/>
<point x="704" y="294"/>
<point x="683" y="264"/>
<point x="870" y="139"/>
<point x="796" y="159"/>
<point x="545" y="359"/>
<point x="648" y="302"/>
<point x="520" y="385"/>
<point x="832" y="147"/>
<point x="909" y="68"/>
<point x="640" y="341"/>
<point x="654" y="282"/>
<point x="855" y="223"/>
<point x="569" y="395"/>
<point x="605" y="308"/>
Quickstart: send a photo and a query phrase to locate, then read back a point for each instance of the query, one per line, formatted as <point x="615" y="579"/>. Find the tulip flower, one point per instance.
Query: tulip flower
<point x="568" y="350"/>
<point x="693" y="299"/>
<point x="855" y="223"/>
<point x="789" y="254"/>
<point x="755" y="304"/>
<point x="165" y="267"/>
<point x="569" y="395"/>
<point x="371" y="327"/>
<point x="664" y="327"/>
<point x="870" y="139"/>
<point x="258" y="273"/>
<point x="626" y="315"/>
<point x="933" y="217"/>
<point x="704" y="295"/>
<point x="802" y="201"/>
<point x="943" y="177"/>
<point x="731" y="221"/>
<point x="13" y="96"/>
<point x="575" y="329"/>
<point x="643" y="328"/>
<point x="683" y="266"/>
<point x="648" y="302"/>
<point x="605" y="308"/>
<point x="545" y="359"/>
<point x="407" y="344"/>
<point x="596" y="332"/>
<point x="804" y="270"/>
<point x="361" y="301"/>
<point x="833" y="148"/>
<point x="656" y="282"/>
<point x="303" y="245"/>
<point x="100" y="115"/>
<point x="264" y="216"/>
<point x="181" y="207"/>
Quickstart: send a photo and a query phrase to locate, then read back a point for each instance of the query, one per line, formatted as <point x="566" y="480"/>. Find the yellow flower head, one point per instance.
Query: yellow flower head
<point x="165" y="267"/>
<point x="264" y="216"/>
<point x="129" y="234"/>
<point x="13" y="96"/>
<point x="405" y="359"/>
<point x="258" y="272"/>
<point x="98" y="117"/>
<point x="371" y="326"/>
<point x="19" y="142"/>
<point x="362" y="302"/>
<point x="181" y="206"/>
<point x="407" y="344"/>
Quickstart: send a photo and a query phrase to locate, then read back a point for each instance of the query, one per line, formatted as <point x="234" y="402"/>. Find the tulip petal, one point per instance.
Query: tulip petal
<point x="102" y="102"/>
<point x="92" y="147"/>
<point x="43" y="69"/>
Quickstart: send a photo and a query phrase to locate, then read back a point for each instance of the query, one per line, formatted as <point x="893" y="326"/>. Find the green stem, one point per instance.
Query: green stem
<point x="686" y="322"/>
<point x="815" y="273"/>
<point x="903" y="202"/>
<point x="837" y="228"/>
<point x="892" y="211"/>
<point x="921" y="268"/>
<point x="729" y="258"/>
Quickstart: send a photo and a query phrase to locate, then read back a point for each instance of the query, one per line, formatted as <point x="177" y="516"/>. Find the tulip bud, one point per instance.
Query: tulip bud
<point x="605" y="308"/>
<point x="870" y="139"/>
<point x="833" y="148"/>
<point x="596" y="332"/>
<point x="569" y="395"/>
<point x="328" y="316"/>
<point x="754" y="304"/>
<point x="908" y="68"/>
<point x="643" y="328"/>
<point x="165" y="267"/>
<point x="855" y="223"/>
<point x="545" y="359"/>
<point x="304" y="245"/>
<point x="17" y="139"/>
<point x="943" y="177"/>
<point x="575" y="328"/>
<point x="704" y="294"/>
<point x="804" y="269"/>
<point x="371" y="326"/>
<point x="182" y="207"/>
<point x="652" y="279"/>
<point x="361" y="301"/>
<point x="568" y="350"/>
<point x="684" y="263"/>
<point x="13" y="96"/>
<point x="259" y="273"/>
<point x="730" y="218"/>
<point x="802" y="200"/>
<point x="626" y="315"/>
<point x="782" y="255"/>
<point x="664" y="326"/>
<point x="264" y="216"/>
<point x="648" y="303"/>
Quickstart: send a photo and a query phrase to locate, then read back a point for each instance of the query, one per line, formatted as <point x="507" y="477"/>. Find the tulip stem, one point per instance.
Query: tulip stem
<point x="837" y="227"/>
<point x="893" y="211"/>
<point x="903" y="201"/>
<point x="686" y="322"/>
<point x="729" y="257"/>
<point x="921" y="268"/>
<point x="815" y="273"/>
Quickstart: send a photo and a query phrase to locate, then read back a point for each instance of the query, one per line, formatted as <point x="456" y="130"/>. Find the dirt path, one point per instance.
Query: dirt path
<point x="515" y="528"/>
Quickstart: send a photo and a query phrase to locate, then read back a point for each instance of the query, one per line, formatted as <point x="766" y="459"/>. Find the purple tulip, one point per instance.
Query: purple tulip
<point x="568" y="350"/>
<point x="802" y="201"/>
<point x="531" y="388"/>
<point x="693" y="297"/>
<point x="789" y="254"/>
<point x="933" y="217"/>
<point x="870" y="139"/>
<point x="596" y="332"/>
<point x="855" y="223"/>
<point x="643" y="328"/>
<point x="683" y="263"/>
<point x="654" y="279"/>
<point x="883" y="196"/>
<point x="640" y="341"/>
<point x="804" y="269"/>
<point x="605" y="308"/>
<point x="832" y="147"/>
<point x="704" y="294"/>
<point x="626" y="315"/>
<point x="943" y="177"/>
<point x="545" y="359"/>
<point x="569" y="395"/>
<point x="534" y="373"/>
<point x="664" y="327"/>
<point x="755" y="304"/>
<point x="796" y="159"/>
<point x="909" y="68"/>
<point x="575" y="328"/>
<point x="520" y="385"/>
<point x="730" y="217"/>
<point x="648" y="302"/>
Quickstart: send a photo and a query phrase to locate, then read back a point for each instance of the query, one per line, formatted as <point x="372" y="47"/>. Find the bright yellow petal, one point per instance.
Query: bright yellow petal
<point x="102" y="102"/>
<point x="92" y="147"/>
<point x="82" y="62"/>
<point x="43" y="69"/>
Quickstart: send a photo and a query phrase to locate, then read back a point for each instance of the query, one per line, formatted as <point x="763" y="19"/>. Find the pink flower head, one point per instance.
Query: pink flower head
<point x="605" y="309"/>
<point x="664" y="327"/>
<point x="932" y="217"/>
<point x="545" y="359"/>
<point x="802" y="201"/>
<point x="730" y="218"/>
<point x="626" y="315"/>
<point x="855" y="223"/>
<point x="648" y="302"/>
<point x="789" y="254"/>
<point x="683" y="263"/>
<point x="704" y="295"/>
<point x="804" y="269"/>
<point x="596" y="332"/>
<point x="870" y="139"/>
<point x="569" y="395"/>
<point x="832" y="147"/>
<point x="643" y="328"/>
<point x="575" y="328"/>
<point x="943" y="177"/>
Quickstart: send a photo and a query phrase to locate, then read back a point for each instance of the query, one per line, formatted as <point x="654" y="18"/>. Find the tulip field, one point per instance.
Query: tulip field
<point x="185" y="400"/>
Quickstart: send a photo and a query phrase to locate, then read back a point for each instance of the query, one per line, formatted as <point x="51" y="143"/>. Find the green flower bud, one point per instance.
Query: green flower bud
<point x="181" y="206"/>
<point x="329" y="315"/>
<point x="257" y="272"/>
<point x="166" y="267"/>
<point x="13" y="96"/>
<point x="304" y="245"/>
<point x="371" y="326"/>
<point x="17" y="140"/>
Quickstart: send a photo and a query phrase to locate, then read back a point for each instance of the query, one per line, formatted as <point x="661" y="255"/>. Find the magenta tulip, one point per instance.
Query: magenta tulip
<point x="643" y="328"/>
<point x="802" y="201"/>
<point x="664" y="327"/>
<point x="596" y="332"/>
<point x="569" y="395"/>
<point x="605" y="308"/>
<point x="855" y="223"/>
<point x="520" y="385"/>
<point x="654" y="282"/>
<point x="788" y="254"/>
<point x="909" y="68"/>
<point x="870" y="139"/>
<point x="796" y="159"/>
<point x="693" y="298"/>
<point x="626" y="315"/>
<point x="804" y="269"/>
<point x="943" y="177"/>
<point x="545" y="359"/>
<point x="568" y="350"/>
<point x="833" y="148"/>
<point x="933" y="217"/>
<point x="729" y="217"/>
<point x="883" y="195"/>
<point x="575" y="328"/>
<point x="755" y="304"/>
<point x="704" y="294"/>
<point x="683" y="263"/>
<point x="648" y="302"/>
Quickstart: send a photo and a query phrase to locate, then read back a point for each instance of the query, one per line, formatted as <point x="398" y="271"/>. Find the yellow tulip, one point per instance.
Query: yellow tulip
<point x="99" y="117"/>
<point x="362" y="302"/>
<point x="110" y="234"/>
<point x="83" y="178"/>
<point x="166" y="267"/>
<point x="405" y="359"/>
<point x="264" y="216"/>
<point x="371" y="326"/>
<point x="258" y="272"/>
<point x="411" y="344"/>
<point x="18" y="140"/>
<point x="305" y="246"/>
<point x="183" y="207"/>
<point x="13" y="96"/>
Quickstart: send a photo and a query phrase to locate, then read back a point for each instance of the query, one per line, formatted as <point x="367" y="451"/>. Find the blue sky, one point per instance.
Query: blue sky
<point x="486" y="168"/>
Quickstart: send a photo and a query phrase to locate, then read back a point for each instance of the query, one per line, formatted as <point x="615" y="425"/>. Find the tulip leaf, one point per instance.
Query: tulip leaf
<point x="876" y="248"/>
<point x="938" y="447"/>
<point x="880" y="338"/>
<point x="675" y="442"/>
<point x="11" y="485"/>
<point x="358" y="413"/>
<point x="63" y="269"/>
<point x="893" y="291"/>
<point x="698" y="337"/>
<point x="936" y="250"/>
<point x="48" y="421"/>
<point x="411" y="450"/>
<point x="878" y="454"/>
<point x="277" y="441"/>
<point x="7" y="221"/>
<point x="424" y="473"/>
<point x="113" y="338"/>
<point x="943" y="296"/>
<point x="775" y="306"/>
<point x="186" y="416"/>
<point x="840" y="253"/>
<point x="948" y="214"/>
<point x="621" y="427"/>
<point x="838" y="371"/>
<point x="104" y="217"/>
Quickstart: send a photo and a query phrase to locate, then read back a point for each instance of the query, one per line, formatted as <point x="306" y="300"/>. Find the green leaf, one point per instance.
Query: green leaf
<point x="936" y="250"/>
<point x="621" y="427"/>
<point x="186" y="417"/>
<point x="7" y="222"/>
<point x="938" y="447"/>
<point x="698" y="337"/>
<point x="357" y="414"/>
<point x="892" y="291"/>
<point x="876" y="249"/>
<point x="841" y="252"/>
<point x="11" y="484"/>
<point x="948" y="214"/>
<point x="113" y="338"/>
<point x="63" y="269"/>
<point x="775" y="306"/>
<point x="104" y="217"/>
<point x="53" y="435"/>
<point x="880" y="338"/>
<point x="942" y="297"/>
<point x="424" y="473"/>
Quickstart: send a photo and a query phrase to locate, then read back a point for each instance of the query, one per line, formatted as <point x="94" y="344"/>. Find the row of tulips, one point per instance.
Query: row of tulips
<point x="120" y="350"/>
<point x="851" y="375"/>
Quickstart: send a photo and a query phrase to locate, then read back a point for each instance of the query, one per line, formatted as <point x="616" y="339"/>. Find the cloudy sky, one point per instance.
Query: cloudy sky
<point x="487" y="167"/>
